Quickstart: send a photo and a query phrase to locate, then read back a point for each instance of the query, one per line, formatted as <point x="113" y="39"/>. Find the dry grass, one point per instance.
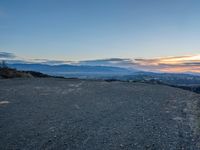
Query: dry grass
<point x="13" y="73"/>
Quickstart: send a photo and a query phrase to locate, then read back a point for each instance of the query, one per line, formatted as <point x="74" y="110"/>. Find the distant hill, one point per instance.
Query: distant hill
<point x="167" y="78"/>
<point x="73" y="70"/>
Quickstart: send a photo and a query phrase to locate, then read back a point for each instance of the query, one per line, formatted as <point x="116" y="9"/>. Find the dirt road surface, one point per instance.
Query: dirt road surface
<point x="96" y="115"/>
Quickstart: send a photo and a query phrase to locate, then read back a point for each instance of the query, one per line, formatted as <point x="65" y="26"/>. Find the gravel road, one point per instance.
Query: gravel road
<point x="70" y="114"/>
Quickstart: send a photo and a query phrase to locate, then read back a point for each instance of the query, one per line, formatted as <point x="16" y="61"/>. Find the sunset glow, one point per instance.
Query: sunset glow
<point x="171" y="64"/>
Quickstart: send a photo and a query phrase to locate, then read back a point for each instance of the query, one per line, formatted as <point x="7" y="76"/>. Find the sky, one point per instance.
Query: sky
<point x="80" y="30"/>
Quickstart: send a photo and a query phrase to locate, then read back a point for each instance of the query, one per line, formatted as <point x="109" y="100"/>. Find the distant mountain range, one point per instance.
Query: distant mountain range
<point x="186" y="81"/>
<point x="74" y="70"/>
<point x="109" y="73"/>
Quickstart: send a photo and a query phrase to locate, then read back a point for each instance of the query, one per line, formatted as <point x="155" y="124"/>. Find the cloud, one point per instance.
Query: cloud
<point x="7" y="55"/>
<point x="118" y="62"/>
<point x="163" y="64"/>
<point x="171" y="64"/>
<point x="50" y="62"/>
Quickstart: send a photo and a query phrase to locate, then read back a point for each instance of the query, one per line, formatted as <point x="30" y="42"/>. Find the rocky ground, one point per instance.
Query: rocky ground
<point x="76" y="114"/>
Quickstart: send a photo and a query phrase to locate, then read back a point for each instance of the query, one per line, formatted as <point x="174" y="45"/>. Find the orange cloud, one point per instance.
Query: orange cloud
<point x="171" y="64"/>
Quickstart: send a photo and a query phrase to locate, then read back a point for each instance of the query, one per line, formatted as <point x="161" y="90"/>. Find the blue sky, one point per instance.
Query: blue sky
<point x="98" y="29"/>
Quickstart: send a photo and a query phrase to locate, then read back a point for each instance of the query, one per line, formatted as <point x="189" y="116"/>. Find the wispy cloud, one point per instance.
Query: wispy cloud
<point x="50" y="62"/>
<point x="119" y="62"/>
<point x="163" y="64"/>
<point x="12" y="58"/>
<point x="172" y="64"/>
<point x="6" y="55"/>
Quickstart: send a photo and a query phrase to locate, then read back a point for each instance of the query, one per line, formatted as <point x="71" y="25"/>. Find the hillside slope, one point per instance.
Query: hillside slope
<point x="13" y="73"/>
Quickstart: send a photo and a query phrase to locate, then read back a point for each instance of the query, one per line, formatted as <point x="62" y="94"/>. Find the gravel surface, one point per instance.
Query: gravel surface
<point x="75" y="114"/>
